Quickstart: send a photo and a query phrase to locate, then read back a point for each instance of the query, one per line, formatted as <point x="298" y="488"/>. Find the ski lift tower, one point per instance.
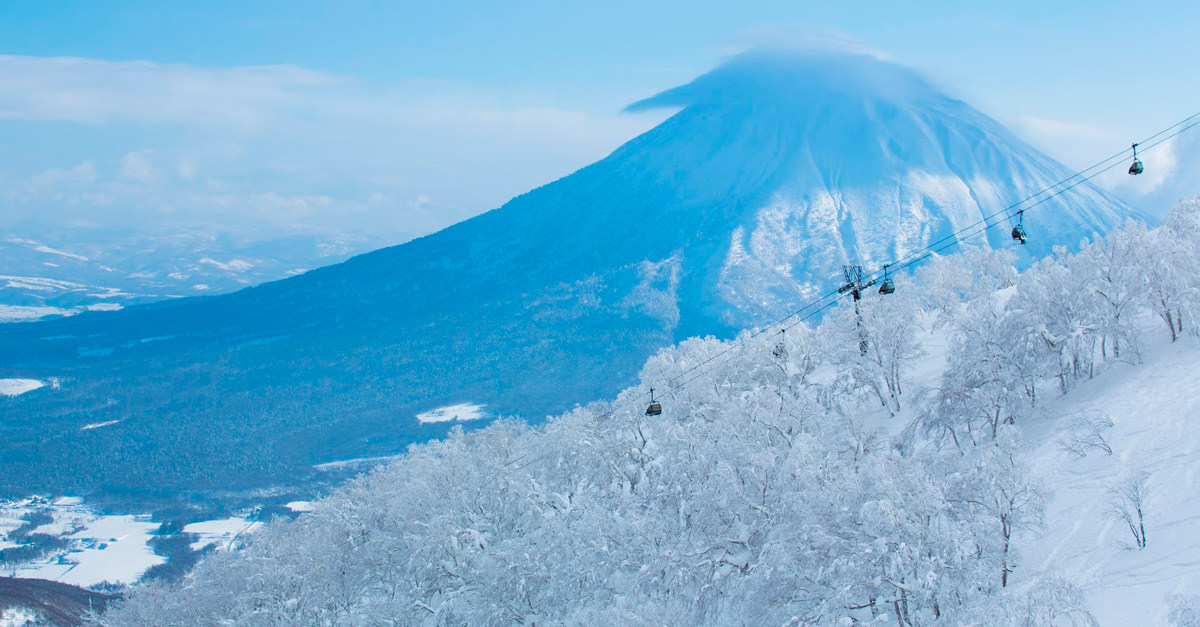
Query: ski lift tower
<point x="855" y="285"/>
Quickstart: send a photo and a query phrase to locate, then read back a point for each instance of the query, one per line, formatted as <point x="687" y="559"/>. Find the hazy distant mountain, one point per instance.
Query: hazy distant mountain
<point x="68" y="270"/>
<point x="776" y="170"/>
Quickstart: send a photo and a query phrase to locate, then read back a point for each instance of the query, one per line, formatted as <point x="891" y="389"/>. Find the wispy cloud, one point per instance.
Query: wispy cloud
<point x="94" y="91"/>
<point x="1059" y="130"/>
<point x="799" y="36"/>
<point x="1079" y="145"/>
<point x="137" y="166"/>
<point x="282" y="145"/>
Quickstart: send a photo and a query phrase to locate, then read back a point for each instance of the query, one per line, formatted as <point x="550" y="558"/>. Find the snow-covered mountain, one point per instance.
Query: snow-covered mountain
<point x="776" y="170"/>
<point x="979" y="448"/>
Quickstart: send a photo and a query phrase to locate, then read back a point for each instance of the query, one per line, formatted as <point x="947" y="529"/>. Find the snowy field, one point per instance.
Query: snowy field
<point x="220" y="534"/>
<point x="462" y="412"/>
<point x="100" y="548"/>
<point x="343" y="464"/>
<point x="111" y="549"/>
<point x="17" y="387"/>
<point x="25" y="313"/>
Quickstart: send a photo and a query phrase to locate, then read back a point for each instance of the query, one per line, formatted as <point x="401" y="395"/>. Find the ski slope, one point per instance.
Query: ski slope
<point x="1155" y="411"/>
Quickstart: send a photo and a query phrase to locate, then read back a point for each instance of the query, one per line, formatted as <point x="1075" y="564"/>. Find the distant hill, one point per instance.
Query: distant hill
<point x="63" y="271"/>
<point x="49" y="603"/>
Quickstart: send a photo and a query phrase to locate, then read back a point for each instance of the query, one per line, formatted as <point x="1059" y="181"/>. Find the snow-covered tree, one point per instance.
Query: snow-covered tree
<point x="872" y="341"/>
<point x="758" y="496"/>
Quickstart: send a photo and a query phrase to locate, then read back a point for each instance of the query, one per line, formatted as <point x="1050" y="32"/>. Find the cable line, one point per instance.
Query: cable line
<point x="978" y="227"/>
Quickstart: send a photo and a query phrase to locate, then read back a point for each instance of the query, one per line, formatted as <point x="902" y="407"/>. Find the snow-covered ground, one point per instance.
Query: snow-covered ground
<point x="17" y="617"/>
<point x="63" y="272"/>
<point x="25" y="313"/>
<point x="97" y="425"/>
<point x="220" y="534"/>
<point x="17" y="387"/>
<point x="1155" y="412"/>
<point x="108" y="548"/>
<point x="462" y="412"/>
<point x="343" y="464"/>
<point x="101" y="548"/>
<point x="1154" y="407"/>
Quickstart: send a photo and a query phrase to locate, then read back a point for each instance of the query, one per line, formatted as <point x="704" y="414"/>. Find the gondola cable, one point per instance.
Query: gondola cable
<point x="674" y="383"/>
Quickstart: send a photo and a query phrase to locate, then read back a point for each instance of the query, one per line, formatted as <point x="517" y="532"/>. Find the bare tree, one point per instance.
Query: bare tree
<point x="1129" y="501"/>
<point x="1084" y="433"/>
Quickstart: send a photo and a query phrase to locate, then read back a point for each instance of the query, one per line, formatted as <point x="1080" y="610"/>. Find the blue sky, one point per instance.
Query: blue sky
<point x="399" y="118"/>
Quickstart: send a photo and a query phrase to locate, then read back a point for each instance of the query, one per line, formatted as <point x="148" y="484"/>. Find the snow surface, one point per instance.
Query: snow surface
<point x="233" y="265"/>
<point x="1155" y="410"/>
<point x="109" y="548"/>
<point x="462" y="412"/>
<point x="11" y="515"/>
<point x="106" y="548"/>
<point x="26" y="313"/>
<point x="222" y="534"/>
<point x="17" y="387"/>
<point x="73" y="269"/>
<point x="17" y="617"/>
<point x="97" y="425"/>
<point x="343" y="464"/>
<point x="101" y="548"/>
<point x="54" y="251"/>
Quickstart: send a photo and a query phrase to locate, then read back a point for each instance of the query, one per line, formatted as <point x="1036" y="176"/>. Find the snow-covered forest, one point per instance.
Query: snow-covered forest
<point x="836" y="474"/>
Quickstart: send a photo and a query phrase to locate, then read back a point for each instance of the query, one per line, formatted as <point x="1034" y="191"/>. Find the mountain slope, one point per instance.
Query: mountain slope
<point x="1153" y="407"/>
<point x="775" y="172"/>
<point x="777" y="485"/>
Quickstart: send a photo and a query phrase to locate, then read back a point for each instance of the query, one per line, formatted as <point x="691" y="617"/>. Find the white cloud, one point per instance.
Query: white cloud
<point x="186" y="169"/>
<point x="57" y="182"/>
<point x="1080" y="145"/>
<point x="283" y="146"/>
<point x="1058" y="130"/>
<point x="797" y="36"/>
<point x="90" y="91"/>
<point x="93" y="91"/>
<point x="136" y="166"/>
<point x="1075" y="144"/>
<point x="1172" y="172"/>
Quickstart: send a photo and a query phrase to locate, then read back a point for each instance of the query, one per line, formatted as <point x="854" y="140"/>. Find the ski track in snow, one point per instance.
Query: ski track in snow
<point x="1154" y="408"/>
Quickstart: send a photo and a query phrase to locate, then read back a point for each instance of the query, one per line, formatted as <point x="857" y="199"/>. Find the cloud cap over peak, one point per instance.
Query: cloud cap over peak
<point x="778" y="76"/>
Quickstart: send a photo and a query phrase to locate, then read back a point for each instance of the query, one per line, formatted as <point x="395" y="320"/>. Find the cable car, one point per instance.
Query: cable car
<point x="1018" y="232"/>
<point x="780" y="350"/>
<point x="654" y="409"/>
<point x="887" y="287"/>
<point x="1136" y="168"/>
